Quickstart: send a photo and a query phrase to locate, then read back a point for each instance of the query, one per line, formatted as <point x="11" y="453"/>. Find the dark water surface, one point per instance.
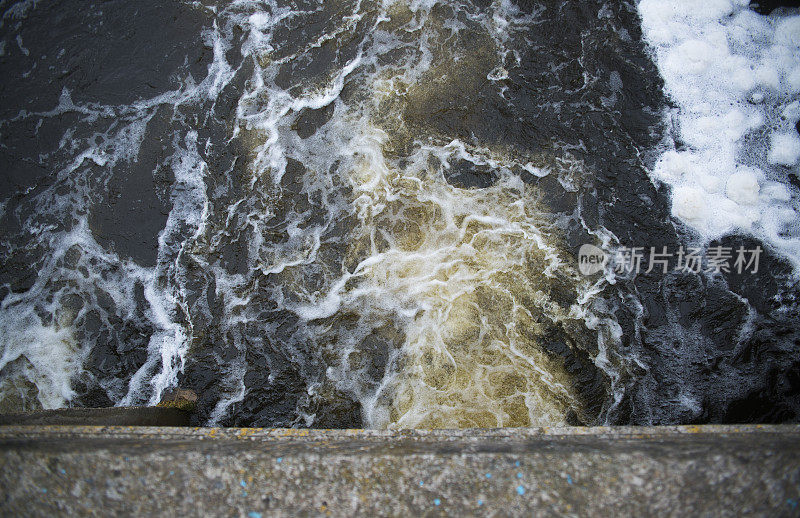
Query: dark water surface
<point x="348" y="214"/>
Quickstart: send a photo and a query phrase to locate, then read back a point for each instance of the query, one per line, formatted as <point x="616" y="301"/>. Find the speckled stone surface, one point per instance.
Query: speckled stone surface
<point x="678" y="471"/>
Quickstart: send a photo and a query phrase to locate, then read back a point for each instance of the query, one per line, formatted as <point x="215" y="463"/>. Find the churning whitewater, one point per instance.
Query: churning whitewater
<point x="368" y="213"/>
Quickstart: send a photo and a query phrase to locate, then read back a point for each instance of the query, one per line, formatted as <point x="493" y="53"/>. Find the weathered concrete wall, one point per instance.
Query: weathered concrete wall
<point x="670" y="471"/>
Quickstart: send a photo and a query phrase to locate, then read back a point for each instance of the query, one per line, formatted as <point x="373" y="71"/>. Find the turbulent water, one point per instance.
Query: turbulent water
<point x="363" y="213"/>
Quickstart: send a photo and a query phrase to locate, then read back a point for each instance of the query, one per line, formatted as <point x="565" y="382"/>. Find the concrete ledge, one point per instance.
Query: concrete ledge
<point x="627" y="471"/>
<point x="175" y="409"/>
<point x="113" y="416"/>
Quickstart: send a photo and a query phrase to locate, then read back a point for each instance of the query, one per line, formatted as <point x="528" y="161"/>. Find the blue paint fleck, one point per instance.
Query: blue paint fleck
<point x="44" y="490"/>
<point x="243" y="483"/>
<point x="520" y="490"/>
<point x="791" y="502"/>
<point x="63" y="471"/>
<point x="421" y="483"/>
<point x="171" y="472"/>
<point x="244" y="493"/>
<point x="437" y="501"/>
<point x="480" y="502"/>
<point x="488" y="475"/>
<point x="279" y="460"/>
<point x="569" y="479"/>
<point x="519" y="475"/>
<point x="516" y="464"/>
<point x="253" y="514"/>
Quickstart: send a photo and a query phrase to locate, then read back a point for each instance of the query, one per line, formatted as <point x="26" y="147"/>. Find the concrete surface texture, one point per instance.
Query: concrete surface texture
<point x="665" y="471"/>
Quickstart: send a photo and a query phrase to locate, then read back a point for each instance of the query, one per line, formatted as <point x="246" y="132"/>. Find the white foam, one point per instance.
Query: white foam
<point x="734" y="76"/>
<point x="787" y="32"/>
<point x="742" y="187"/>
<point x="44" y="353"/>
<point x="784" y="148"/>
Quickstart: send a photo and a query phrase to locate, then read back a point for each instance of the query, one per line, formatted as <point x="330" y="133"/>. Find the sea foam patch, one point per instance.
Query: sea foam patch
<point x="735" y="78"/>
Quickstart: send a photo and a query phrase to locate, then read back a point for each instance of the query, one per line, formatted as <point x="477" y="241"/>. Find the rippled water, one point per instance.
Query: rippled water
<point x="362" y="213"/>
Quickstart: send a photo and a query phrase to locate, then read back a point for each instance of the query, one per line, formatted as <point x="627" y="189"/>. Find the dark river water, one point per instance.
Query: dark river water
<point x="369" y="214"/>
